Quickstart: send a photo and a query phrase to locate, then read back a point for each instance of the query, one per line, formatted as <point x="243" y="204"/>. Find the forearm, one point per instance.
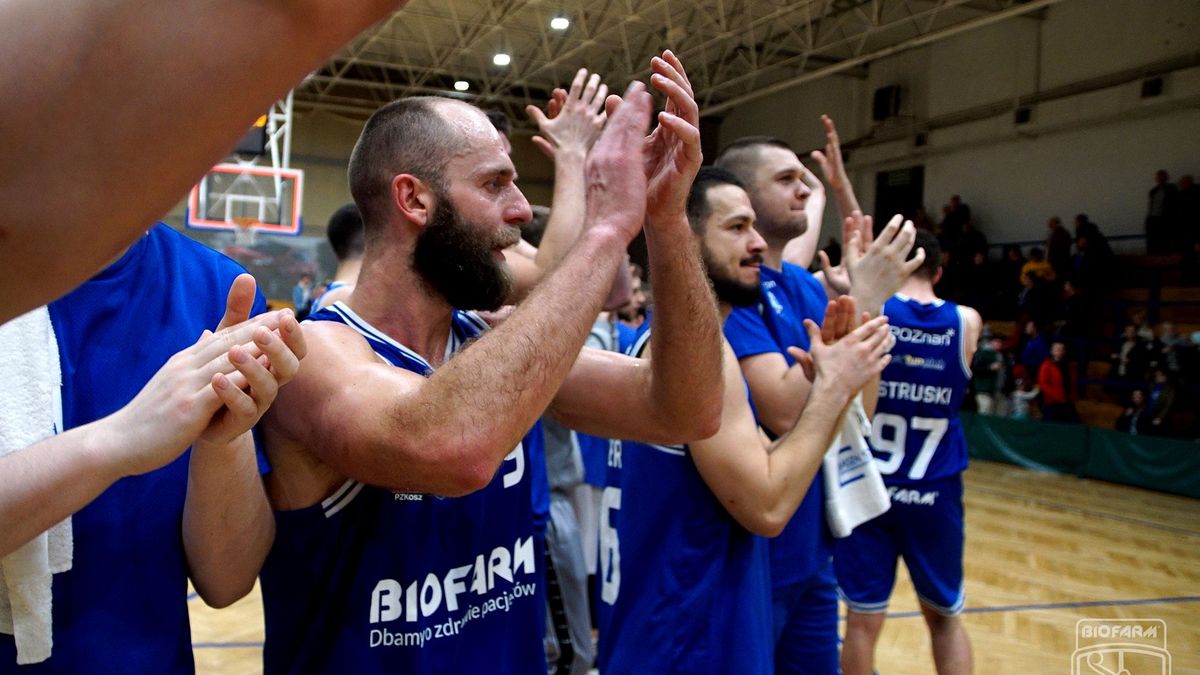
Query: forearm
<point x="45" y="483"/>
<point x="847" y="203"/>
<point x="686" y="386"/>
<point x="255" y="50"/>
<point x="228" y="526"/>
<point x="797" y="456"/>
<point x="566" y="209"/>
<point x="779" y="413"/>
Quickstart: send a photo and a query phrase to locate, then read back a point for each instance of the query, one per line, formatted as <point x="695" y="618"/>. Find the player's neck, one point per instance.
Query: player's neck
<point x="725" y="309"/>
<point x="391" y="297"/>
<point x="918" y="289"/>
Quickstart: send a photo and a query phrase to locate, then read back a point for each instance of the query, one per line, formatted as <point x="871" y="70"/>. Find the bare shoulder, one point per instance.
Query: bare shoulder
<point x="972" y="321"/>
<point x="334" y="393"/>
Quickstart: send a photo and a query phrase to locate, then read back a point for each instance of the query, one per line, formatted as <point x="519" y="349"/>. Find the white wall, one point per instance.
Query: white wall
<point x="1091" y="152"/>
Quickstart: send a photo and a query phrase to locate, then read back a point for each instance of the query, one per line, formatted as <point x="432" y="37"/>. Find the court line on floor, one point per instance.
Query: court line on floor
<point x="1059" y="605"/>
<point x="1086" y="512"/>
<point x="891" y="615"/>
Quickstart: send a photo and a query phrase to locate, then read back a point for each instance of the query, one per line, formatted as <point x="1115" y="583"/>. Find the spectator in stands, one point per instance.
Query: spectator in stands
<point x="1077" y="318"/>
<point x="1024" y="393"/>
<point x="1131" y="361"/>
<point x="970" y="243"/>
<point x="1011" y="264"/>
<point x="1173" y="349"/>
<point x="956" y="213"/>
<point x="1058" y="247"/>
<point x="1033" y="349"/>
<point x="1133" y="418"/>
<point x="1037" y="299"/>
<point x="302" y="295"/>
<point x="1058" y="386"/>
<point x="1096" y="239"/>
<point x="1160" y="214"/>
<point x="1037" y="265"/>
<point x="990" y="373"/>
<point x="1160" y="402"/>
<point x="979" y="285"/>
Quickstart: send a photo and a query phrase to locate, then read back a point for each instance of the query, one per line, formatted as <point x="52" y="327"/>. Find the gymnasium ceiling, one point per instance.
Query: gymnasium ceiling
<point x="735" y="50"/>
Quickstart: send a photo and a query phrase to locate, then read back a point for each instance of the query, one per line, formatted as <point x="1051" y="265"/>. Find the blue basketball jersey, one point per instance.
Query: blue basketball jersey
<point x="789" y="296"/>
<point x="122" y="607"/>
<point x="683" y="587"/>
<point x="916" y="434"/>
<point x="375" y="581"/>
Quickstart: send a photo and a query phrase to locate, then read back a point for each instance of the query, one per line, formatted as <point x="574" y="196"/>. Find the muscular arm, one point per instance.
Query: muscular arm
<point x="680" y="392"/>
<point x="136" y="71"/>
<point x="448" y="433"/>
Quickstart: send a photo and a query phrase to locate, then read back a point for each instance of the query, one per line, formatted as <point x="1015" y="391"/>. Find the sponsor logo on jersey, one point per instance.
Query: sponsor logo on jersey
<point x="917" y="336"/>
<point x="908" y="496"/>
<point x="392" y="600"/>
<point x="923" y="362"/>
<point x="917" y="393"/>
<point x="776" y="306"/>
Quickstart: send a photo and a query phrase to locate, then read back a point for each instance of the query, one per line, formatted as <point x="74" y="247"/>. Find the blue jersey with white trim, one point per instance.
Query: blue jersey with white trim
<point x="683" y="587"/>
<point x="916" y="434"/>
<point x="789" y="295"/>
<point x="376" y="581"/>
<point x="122" y="606"/>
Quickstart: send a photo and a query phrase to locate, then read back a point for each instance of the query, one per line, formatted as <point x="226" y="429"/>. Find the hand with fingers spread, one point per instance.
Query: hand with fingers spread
<point x="841" y="318"/>
<point x="856" y="234"/>
<point x="616" y="189"/>
<point x="672" y="151"/>
<point x="573" y="120"/>
<point x="877" y="273"/>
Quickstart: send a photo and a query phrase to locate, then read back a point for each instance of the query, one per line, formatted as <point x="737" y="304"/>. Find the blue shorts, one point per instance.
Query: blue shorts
<point x="925" y="527"/>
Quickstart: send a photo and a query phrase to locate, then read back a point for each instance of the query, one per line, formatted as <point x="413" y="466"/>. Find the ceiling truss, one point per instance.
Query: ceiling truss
<point x="735" y="50"/>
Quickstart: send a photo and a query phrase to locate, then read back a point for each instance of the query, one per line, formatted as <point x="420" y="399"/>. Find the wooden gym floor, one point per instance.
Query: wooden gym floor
<point x="1043" y="551"/>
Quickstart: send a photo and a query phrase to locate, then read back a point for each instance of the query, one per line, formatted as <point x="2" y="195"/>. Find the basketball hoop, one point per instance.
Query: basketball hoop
<point x="244" y="232"/>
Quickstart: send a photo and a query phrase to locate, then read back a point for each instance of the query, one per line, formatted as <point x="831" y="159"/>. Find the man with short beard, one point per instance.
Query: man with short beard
<point x="684" y="566"/>
<point x="780" y="191"/>
<point x="401" y="462"/>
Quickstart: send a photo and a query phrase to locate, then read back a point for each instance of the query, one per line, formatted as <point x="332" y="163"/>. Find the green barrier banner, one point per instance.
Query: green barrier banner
<point x="1163" y="464"/>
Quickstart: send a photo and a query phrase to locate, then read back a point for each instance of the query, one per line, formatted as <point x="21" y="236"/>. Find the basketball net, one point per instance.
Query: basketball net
<point x="244" y="234"/>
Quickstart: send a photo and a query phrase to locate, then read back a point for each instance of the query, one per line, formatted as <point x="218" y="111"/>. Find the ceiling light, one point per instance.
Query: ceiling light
<point x="502" y="59"/>
<point x="559" y="23"/>
<point x="462" y="85"/>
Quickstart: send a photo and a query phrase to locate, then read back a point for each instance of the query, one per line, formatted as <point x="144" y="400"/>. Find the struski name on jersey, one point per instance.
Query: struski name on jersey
<point x="917" y="393"/>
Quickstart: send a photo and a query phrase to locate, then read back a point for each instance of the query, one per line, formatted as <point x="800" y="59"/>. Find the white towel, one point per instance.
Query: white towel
<point x="30" y="410"/>
<point x="854" y="490"/>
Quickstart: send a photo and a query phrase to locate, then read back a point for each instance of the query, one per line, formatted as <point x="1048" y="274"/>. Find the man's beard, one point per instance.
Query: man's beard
<point x="454" y="257"/>
<point x="728" y="289"/>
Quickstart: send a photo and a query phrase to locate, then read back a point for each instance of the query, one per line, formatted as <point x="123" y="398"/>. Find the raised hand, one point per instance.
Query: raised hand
<point x="616" y="187"/>
<point x="830" y="161"/>
<point x="672" y="152"/>
<point x="841" y="318"/>
<point x="856" y="235"/>
<point x="573" y="120"/>
<point x="879" y="272"/>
